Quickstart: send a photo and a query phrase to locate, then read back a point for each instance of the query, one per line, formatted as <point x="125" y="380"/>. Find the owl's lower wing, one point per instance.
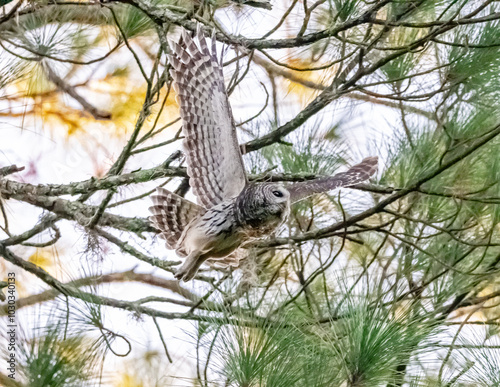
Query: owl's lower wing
<point x="171" y="214"/>
<point x="356" y="174"/>
<point x="215" y="165"/>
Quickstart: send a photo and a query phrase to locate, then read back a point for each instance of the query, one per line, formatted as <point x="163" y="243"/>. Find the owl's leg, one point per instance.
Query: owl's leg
<point x="190" y="267"/>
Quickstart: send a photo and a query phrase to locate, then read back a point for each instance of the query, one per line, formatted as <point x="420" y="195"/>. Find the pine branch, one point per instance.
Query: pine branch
<point x="127" y="276"/>
<point x="10" y="188"/>
<point x="98" y="114"/>
<point x="71" y="291"/>
<point x="415" y="187"/>
<point x="60" y="12"/>
<point x="341" y="85"/>
<point x="81" y="213"/>
<point x="161" y="14"/>
<point x="317" y="86"/>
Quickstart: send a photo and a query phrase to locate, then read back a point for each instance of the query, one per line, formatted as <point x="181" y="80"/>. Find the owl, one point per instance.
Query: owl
<point x="231" y="211"/>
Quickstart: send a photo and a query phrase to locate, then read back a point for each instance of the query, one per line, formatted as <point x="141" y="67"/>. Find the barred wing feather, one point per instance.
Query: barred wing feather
<point x="355" y="175"/>
<point x="215" y="164"/>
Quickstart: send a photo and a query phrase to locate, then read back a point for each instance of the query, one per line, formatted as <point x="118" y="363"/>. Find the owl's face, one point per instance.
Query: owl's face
<point x="275" y="194"/>
<point x="263" y="204"/>
<point x="276" y="202"/>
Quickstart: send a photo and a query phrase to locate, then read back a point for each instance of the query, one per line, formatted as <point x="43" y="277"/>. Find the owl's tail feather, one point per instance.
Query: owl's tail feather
<point x="171" y="214"/>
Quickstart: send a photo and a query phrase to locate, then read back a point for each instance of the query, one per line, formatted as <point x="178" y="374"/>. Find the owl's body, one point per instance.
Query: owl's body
<point x="258" y="211"/>
<point x="232" y="211"/>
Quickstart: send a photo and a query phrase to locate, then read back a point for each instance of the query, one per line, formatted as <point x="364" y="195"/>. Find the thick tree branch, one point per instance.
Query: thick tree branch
<point x="127" y="276"/>
<point x="130" y="306"/>
<point x="161" y="14"/>
<point x="10" y="187"/>
<point x="81" y="213"/>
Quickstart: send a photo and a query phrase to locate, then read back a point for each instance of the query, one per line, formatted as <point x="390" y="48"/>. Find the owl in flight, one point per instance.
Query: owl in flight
<point x="231" y="211"/>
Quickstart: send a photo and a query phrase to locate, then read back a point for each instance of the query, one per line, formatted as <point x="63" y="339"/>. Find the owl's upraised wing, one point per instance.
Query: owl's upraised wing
<point x="356" y="174"/>
<point x="215" y="165"/>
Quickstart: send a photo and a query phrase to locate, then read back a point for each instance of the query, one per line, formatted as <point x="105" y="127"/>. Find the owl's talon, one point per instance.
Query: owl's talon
<point x="180" y="275"/>
<point x="180" y="278"/>
<point x="187" y="271"/>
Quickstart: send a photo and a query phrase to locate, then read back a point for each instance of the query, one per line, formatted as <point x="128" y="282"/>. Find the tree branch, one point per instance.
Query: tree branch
<point x="127" y="276"/>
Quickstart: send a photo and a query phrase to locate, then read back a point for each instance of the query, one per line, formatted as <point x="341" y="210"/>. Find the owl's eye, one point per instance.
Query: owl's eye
<point x="278" y="194"/>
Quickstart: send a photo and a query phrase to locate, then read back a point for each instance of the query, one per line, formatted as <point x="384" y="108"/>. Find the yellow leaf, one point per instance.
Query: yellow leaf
<point x="128" y="380"/>
<point x="42" y="258"/>
<point x="298" y="86"/>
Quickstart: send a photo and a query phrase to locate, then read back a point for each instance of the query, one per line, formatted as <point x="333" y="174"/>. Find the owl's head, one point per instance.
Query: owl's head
<point x="261" y="203"/>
